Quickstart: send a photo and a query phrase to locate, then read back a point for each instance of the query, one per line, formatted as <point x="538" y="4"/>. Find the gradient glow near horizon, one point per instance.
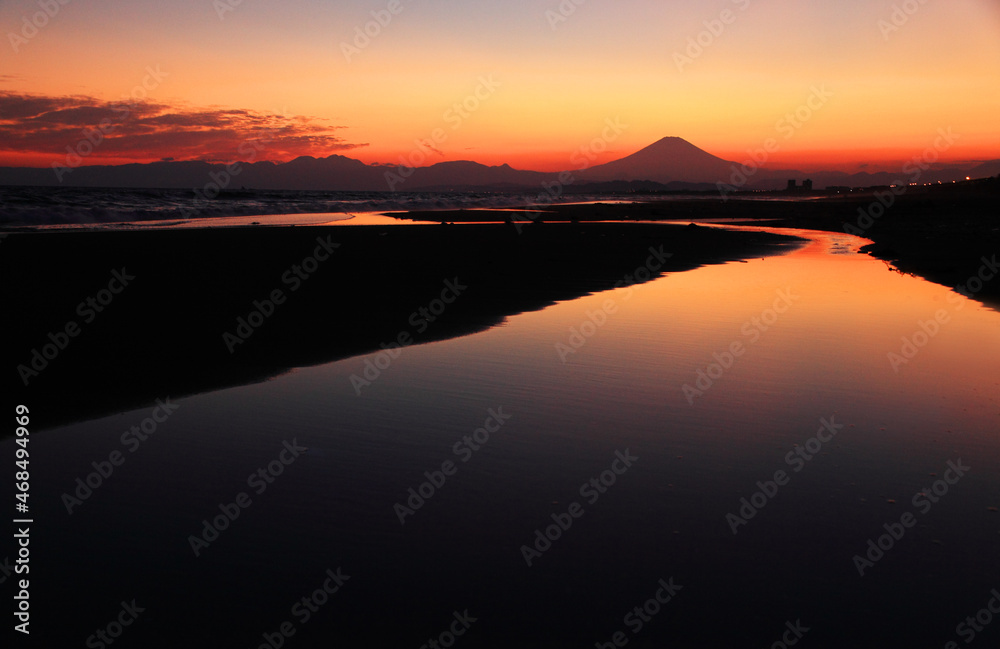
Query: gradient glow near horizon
<point x="525" y="82"/>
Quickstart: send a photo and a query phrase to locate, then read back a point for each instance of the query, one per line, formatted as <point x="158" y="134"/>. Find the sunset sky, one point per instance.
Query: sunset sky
<point x="548" y="75"/>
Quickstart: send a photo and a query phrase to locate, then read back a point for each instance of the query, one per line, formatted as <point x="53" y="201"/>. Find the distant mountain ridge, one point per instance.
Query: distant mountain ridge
<point x="671" y="163"/>
<point x="671" y="159"/>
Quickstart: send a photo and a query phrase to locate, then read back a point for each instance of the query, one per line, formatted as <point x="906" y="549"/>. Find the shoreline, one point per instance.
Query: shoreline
<point x="194" y="284"/>
<point x="947" y="234"/>
<point x="165" y="332"/>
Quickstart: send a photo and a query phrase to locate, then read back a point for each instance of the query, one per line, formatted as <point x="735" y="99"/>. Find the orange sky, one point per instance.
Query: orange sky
<point x="518" y="83"/>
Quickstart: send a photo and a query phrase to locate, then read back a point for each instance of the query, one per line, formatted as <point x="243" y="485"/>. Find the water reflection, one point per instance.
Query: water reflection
<point x="824" y="358"/>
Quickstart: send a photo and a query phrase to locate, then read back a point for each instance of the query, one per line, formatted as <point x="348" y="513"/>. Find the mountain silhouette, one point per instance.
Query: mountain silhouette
<point x="671" y="163"/>
<point x="671" y="159"/>
<point x="463" y="174"/>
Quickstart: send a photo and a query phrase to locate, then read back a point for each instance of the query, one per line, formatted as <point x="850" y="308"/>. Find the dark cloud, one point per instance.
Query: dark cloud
<point x="427" y="144"/>
<point x="67" y="116"/>
<point x="149" y="130"/>
<point x="14" y="106"/>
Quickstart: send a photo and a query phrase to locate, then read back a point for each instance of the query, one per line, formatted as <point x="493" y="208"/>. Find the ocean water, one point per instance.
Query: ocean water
<point x="80" y="207"/>
<point x="733" y="440"/>
<point x="48" y="207"/>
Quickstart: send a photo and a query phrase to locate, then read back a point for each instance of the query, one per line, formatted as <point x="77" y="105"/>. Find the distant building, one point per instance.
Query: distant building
<point x="807" y="185"/>
<point x="791" y="185"/>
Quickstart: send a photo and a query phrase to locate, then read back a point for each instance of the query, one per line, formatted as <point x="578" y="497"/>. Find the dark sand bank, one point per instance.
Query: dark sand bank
<point x="162" y="335"/>
<point x="941" y="233"/>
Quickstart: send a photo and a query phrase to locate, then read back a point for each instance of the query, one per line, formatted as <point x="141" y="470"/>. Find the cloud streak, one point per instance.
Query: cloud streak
<point x="144" y="131"/>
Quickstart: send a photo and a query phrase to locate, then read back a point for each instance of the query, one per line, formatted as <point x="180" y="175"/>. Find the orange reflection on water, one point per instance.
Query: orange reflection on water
<point x="813" y="329"/>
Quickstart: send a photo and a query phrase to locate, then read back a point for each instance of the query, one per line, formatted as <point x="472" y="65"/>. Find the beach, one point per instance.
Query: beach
<point x="251" y="432"/>
<point x="182" y="323"/>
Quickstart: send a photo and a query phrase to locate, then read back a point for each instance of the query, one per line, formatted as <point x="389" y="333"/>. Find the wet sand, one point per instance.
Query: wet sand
<point x="165" y="301"/>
